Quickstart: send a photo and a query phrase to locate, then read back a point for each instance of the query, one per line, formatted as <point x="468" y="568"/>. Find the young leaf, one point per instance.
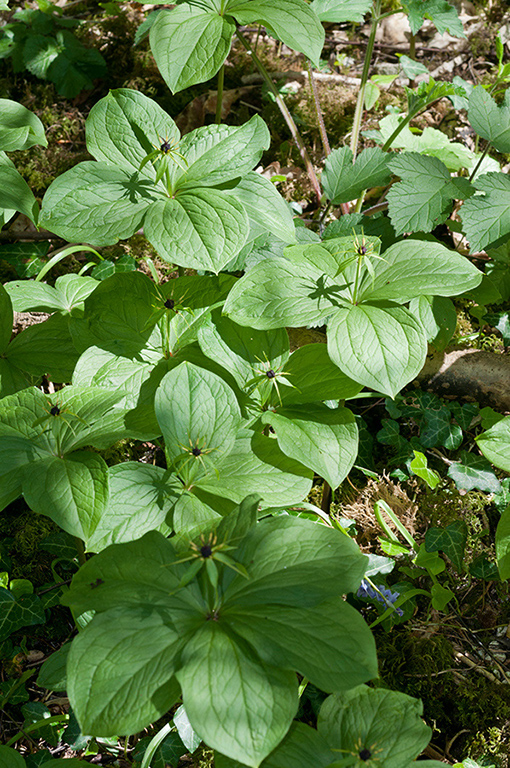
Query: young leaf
<point x="19" y="128"/>
<point x="495" y="444"/>
<point x="179" y="38"/>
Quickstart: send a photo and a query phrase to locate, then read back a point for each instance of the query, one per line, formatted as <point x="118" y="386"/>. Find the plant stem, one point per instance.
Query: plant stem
<point x="326" y="497"/>
<point x="318" y="111"/>
<point x="219" y="96"/>
<point x="286" y="115"/>
<point x="358" y="114"/>
<point x="480" y="160"/>
<point x="80" y="548"/>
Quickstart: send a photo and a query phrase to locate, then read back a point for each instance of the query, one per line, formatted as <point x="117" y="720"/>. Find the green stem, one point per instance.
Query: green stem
<point x="318" y="111"/>
<point x="356" y="279"/>
<point x="80" y="548"/>
<point x="219" y="96"/>
<point x="358" y="114"/>
<point x="412" y="46"/>
<point x="381" y="506"/>
<point x="154" y="744"/>
<point x="35" y="726"/>
<point x="286" y="115"/>
<point x="326" y="497"/>
<point x="480" y="160"/>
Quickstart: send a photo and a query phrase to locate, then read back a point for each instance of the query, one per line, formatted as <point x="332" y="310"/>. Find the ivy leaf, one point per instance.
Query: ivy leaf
<point x="486" y="218"/>
<point x="339" y="11"/>
<point x="423" y="198"/>
<point x="16" y="613"/>
<point x="488" y="120"/>
<point x="179" y="38"/>
<point x="450" y="540"/>
<point x="344" y="181"/>
<point x="483" y="568"/>
<point x="291" y="21"/>
<point x="474" y="472"/>
<point x="443" y="15"/>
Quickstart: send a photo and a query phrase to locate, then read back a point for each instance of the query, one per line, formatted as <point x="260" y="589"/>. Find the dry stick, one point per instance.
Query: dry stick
<point x="286" y="115"/>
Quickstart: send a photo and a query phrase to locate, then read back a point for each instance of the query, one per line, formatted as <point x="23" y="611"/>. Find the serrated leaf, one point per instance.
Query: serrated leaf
<point x="486" y="218"/>
<point x="344" y="180"/>
<point x="443" y="15"/>
<point x="178" y="39"/>
<point x="488" y="120"/>
<point x="341" y="10"/>
<point x="474" y="472"/>
<point x="451" y="540"/>
<point x="382" y="347"/>
<point x="291" y="21"/>
<point x="423" y="198"/>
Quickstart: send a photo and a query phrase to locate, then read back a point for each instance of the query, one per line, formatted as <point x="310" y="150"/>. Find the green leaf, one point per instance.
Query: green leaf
<point x="474" y="472"/>
<point x="244" y="352"/>
<point x="278" y="293"/>
<point x="410" y="268"/>
<point x="441" y="596"/>
<point x="324" y="439"/>
<point x="6" y="318"/>
<point x="53" y="672"/>
<point x="111" y="658"/>
<point x="495" y="442"/>
<point x="72" y="491"/>
<point x="16" y="613"/>
<point x="287" y="559"/>
<point x="483" y="568"/>
<point x="488" y="120"/>
<point x="438" y="316"/>
<point x="19" y="128"/>
<point x="219" y="678"/>
<point x="315" y="377"/>
<point x="382" y="347"/>
<point x="486" y="218"/>
<point x="140" y="499"/>
<point x="501" y="321"/>
<point x="125" y="126"/>
<point x="443" y="15"/>
<point x="391" y="721"/>
<point x="195" y="408"/>
<point x="503" y="544"/>
<point x="423" y="198"/>
<point x="179" y="38"/>
<point x="119" y="315"/>
<point x="339" y="11"/>
<point x="45" y="348"/>
<point x="15" y="193"/>
<point x="291" y="21"/>
<point x="256" y="464"/>
<point x="216" y="154"/>
<point x="203" y="230"/>
<point x="301" y="638"/>
<point x="419" y="466"/>
<point x="344" y="181"/>
<point x="69" y="292"/>
<point x="10" y="758"/>
<point x="450" y="540"/>
<point x="96" y="203"/>
<point x="267" y="210"/>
